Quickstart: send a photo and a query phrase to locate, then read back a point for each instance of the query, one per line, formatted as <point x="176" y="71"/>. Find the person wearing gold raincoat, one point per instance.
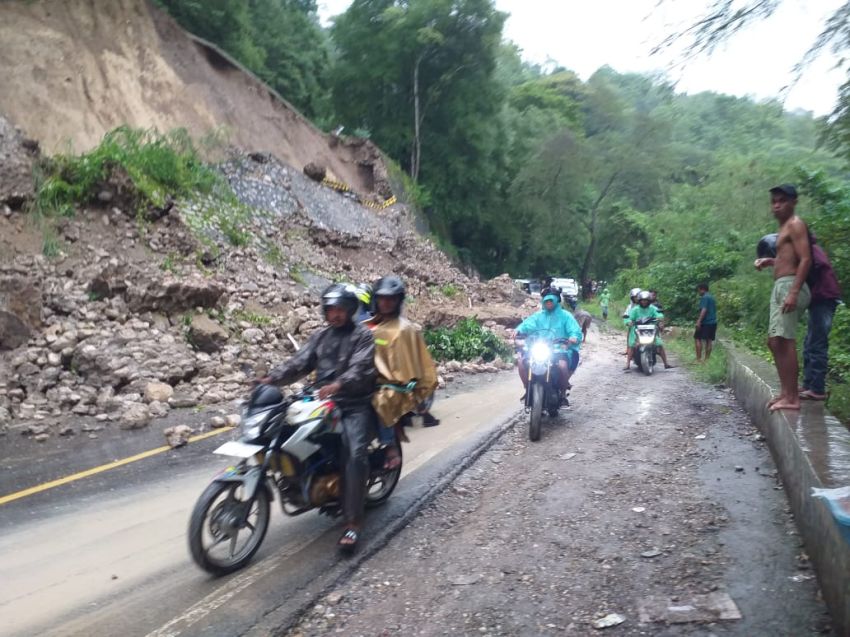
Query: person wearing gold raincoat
<point x="407" y="376"/>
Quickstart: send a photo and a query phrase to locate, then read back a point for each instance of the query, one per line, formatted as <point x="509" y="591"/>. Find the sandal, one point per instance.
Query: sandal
<point x="348" y="541"/>
<point x="808" y="394"/>
<point x="392" y="459"/>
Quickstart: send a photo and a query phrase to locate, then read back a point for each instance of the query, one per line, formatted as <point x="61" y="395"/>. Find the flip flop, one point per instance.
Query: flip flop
<point x="348" y="541"/>
<point x="808" y="394"/>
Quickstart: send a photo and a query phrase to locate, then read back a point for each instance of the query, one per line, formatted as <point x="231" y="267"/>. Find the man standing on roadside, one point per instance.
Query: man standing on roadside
<point x="826" y="294"/>
<point x="790" y="296"/>
<point x="706" y="328"/>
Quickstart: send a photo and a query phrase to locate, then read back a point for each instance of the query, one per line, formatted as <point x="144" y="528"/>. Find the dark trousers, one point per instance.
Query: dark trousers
<point x="358" y="429"/>
<point x="816" y="345"/>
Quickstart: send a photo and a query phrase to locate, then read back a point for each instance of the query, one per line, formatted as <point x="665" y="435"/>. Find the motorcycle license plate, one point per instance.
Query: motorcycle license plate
<point x="237" y="449"/>
<point x="646" y="339"/>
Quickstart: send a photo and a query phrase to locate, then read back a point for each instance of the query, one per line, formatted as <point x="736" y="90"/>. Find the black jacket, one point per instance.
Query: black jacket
<point x="345" y="355"/>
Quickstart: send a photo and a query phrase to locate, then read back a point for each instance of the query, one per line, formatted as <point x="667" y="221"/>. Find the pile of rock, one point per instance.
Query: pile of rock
<point x="132" y="320"/>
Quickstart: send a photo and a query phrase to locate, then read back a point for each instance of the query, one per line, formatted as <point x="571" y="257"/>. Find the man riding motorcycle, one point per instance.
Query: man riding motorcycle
<point x="343" y="356"/>
<point x="644" y="310"/>
<point x="552" y="322"/>
<point x="407" y="376"/>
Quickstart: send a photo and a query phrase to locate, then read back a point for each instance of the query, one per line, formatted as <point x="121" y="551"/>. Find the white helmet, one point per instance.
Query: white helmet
<point x="633" y="293"/>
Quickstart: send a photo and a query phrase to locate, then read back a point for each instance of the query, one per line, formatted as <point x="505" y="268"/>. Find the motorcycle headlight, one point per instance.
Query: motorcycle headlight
<point x="252" y="425"/>
<point x="540" y="352"/>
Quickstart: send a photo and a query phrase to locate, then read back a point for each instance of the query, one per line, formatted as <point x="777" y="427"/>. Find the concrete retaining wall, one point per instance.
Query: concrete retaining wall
<point x="810" y="449"/>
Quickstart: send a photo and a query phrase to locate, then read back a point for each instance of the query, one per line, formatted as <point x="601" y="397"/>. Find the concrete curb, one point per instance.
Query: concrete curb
<point x="285" y="616"/>
<point x="810" y="449"/>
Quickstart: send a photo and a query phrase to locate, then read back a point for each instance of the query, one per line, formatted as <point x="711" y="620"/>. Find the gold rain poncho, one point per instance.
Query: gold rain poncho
<point x="400" y="358"/>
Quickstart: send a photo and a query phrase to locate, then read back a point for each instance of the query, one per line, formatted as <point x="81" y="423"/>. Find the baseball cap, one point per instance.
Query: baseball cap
<point x="786" y="189"/>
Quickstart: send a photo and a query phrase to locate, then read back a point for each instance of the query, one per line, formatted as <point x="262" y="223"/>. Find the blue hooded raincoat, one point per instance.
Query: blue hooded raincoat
<point x="557" y="323"/>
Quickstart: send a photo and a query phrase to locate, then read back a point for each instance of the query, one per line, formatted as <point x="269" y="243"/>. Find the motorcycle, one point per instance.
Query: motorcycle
<point x="543" y="392"/>
<point x="644" y="353"/>
<point x="290" y="446"/>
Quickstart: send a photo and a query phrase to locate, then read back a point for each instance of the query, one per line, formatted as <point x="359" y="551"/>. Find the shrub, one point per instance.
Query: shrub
<point x="466" y="341"/>
<point x="158" y="165"/>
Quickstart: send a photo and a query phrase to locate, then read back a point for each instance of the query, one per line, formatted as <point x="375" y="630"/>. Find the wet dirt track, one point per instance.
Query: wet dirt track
<point x="652" y="498"/>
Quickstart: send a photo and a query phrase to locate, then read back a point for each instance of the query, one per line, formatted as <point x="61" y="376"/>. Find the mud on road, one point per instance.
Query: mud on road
<point x="651" y="498"/>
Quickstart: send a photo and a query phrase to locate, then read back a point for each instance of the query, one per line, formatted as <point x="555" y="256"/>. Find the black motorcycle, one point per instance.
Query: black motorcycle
<point x="290" y="446"/>
<point x="543" y="391"/>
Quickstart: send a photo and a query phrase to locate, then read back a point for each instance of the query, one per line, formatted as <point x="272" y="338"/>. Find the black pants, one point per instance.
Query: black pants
<point x="358" y="429"/>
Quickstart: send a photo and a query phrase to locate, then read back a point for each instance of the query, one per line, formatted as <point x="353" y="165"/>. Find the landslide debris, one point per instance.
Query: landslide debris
<point x="105" y="306"/>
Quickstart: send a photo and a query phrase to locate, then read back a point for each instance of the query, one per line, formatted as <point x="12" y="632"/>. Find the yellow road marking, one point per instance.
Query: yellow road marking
<point x="100" y="469"/>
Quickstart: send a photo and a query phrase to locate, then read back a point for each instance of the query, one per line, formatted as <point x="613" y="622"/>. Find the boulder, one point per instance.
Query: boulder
<point x="159" y="392"/>
<point x="20" y="311"/>
<point x="173" y="296"/>
<point x="17" y="158"/>
<point x="206" y="335"/>
<point x="178" y="436"/>
<point x="135" y="416"/>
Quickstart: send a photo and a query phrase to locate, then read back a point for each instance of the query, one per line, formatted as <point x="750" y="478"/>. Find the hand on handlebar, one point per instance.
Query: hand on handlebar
<point x="329" y="390"/>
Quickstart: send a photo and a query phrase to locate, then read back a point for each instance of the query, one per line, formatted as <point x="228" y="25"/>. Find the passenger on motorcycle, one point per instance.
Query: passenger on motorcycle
<point x="633" y="303"/>
<point x="363" y="292"/>
<point x="407" y="376"/>
<point x="644" y="310"/>
<point x="553" y="322"/>
<point x="343" y="356"/>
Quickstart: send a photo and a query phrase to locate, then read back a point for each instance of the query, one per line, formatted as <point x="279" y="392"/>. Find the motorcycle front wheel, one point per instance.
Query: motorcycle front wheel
<point x="221" y="518"/>
<point x="536" y="412"/>
<point x="646" y="362"/>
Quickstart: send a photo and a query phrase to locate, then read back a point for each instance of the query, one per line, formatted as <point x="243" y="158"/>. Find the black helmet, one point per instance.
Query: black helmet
<point x="388" y="286"/>
<point x="766" y="247"/>
<point x="264" y="396"/>
<point x="341" y="295"/>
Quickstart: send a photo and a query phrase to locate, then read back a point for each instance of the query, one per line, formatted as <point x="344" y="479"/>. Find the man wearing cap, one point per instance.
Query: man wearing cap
<point x="790" y="296"/>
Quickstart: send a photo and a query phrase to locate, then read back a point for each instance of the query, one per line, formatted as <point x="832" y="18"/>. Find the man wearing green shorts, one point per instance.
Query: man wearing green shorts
<point x="790" y="296"/>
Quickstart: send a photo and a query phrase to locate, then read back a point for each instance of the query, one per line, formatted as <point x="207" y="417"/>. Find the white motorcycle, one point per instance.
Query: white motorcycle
<point x="289" y="446"/>
<point x="645" y="350"/>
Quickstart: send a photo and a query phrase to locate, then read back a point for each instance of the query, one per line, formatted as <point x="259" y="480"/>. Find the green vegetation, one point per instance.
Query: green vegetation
<point x="258" y="320"/>
<point x="51" y="245"/>
<point x="279" y="40"/>
<point x="713" y="371"/>
<point x="157" y="165"/>
<point x="467" y="341"/>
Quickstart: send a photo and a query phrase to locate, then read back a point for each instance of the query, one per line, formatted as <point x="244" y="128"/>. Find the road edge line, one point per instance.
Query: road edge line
<point x="58" y="482"/>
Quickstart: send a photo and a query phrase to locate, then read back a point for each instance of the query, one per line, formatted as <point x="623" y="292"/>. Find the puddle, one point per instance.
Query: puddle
<point x="826" y="441"/>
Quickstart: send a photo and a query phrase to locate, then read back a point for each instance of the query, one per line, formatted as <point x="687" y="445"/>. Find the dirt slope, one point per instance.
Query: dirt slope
<point x="82" y="67"/>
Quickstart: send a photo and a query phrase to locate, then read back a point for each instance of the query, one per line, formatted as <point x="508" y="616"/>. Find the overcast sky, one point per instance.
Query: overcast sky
<point x="583" y="35"/>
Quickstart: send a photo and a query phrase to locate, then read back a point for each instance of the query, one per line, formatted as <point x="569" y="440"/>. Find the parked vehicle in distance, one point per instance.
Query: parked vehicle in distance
<point x="569" y="287"/>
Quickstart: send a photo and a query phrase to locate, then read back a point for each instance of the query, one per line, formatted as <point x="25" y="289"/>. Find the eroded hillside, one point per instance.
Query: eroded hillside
<point x="80" y="68"/>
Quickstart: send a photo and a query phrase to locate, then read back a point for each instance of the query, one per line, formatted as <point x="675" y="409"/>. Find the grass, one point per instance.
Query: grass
<point x="158" y="165"/>
<point x="682" y="345"/>
<point x="258" y="320"/>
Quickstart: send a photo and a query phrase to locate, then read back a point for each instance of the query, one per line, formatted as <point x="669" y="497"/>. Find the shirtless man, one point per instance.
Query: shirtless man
<point x="790" y="295"/>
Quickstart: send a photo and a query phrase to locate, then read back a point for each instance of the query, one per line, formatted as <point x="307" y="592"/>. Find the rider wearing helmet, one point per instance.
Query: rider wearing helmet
<point x="633" y="303"/>
<point x="407" y="376"/>
<point x="343" y="356"/>
<point x="554" y="322"/>
<point x="644" y="310"/>
<point x="363" y="291"/>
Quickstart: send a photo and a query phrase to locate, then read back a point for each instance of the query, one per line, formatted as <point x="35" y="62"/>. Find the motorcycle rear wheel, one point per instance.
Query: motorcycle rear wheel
<point x="218" y="521"/>
<point x="536" y="412"/>
<point x="385" y="480"/>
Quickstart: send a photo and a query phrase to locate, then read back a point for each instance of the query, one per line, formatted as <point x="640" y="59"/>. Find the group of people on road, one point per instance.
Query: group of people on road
<point x="378" y="372"/>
